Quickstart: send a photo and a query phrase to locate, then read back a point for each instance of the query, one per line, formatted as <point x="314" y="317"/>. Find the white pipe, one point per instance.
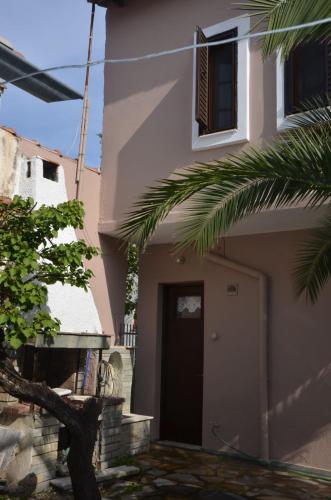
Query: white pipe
<point x="263" y="342"/>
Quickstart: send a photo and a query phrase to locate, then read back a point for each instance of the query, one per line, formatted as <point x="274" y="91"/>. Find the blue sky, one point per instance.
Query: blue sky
<point x="51" y="33"/>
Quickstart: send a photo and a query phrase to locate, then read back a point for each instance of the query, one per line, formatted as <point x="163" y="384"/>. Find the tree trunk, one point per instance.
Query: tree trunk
<point x="82" y="475"/>
<point x="81" y="423"/>
<point x="81" y="452"/>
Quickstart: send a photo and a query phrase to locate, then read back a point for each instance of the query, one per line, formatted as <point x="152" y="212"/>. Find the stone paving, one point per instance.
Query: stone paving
<point x="168" y="473"/>
<point x="175" y="473"/>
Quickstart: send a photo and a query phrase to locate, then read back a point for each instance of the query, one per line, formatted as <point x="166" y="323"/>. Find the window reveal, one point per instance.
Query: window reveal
<point x="50" y="171"/>
<point x="216" y="84"/>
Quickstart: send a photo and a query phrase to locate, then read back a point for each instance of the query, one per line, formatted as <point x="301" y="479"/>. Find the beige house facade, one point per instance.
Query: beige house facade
<point x="227" y="354"/>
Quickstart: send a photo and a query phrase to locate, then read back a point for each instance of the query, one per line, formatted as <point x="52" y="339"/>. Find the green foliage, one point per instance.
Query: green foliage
<point x="131" y="280"/>
<point x="126" y="460"/>
<point x="295" y="169"/>
<point x="30" y="259"/>
<point x="276" y="14"/>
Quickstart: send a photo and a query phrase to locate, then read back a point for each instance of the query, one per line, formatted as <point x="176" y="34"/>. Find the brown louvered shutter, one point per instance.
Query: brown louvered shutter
<point x="202" y="84"/>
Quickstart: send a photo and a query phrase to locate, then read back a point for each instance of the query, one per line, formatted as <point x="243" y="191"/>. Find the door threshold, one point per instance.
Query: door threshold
<point x="177" y="444"/>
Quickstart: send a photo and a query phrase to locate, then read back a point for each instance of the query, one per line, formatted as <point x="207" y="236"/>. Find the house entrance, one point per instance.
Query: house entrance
<point x="182" y="364"/>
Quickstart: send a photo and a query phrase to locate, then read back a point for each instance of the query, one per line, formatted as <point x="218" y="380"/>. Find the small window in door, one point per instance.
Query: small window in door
<point x="189" y="307"/>
<point x="306" y="75"/>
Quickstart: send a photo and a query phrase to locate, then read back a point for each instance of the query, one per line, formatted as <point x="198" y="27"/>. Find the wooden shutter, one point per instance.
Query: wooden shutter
<point x="202" y="84"/>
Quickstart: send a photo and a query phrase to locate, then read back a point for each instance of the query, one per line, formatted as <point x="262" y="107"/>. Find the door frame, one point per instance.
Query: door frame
<point x="165" y="300"/>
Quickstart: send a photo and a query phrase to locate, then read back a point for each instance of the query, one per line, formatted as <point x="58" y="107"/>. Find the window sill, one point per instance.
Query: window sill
<point x="218" y="139"/>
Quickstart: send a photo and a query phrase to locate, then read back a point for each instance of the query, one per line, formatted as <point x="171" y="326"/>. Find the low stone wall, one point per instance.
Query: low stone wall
<point x="45" y="436"/>
<point x="120" y="436"/>
<point x="6" y="399"/>
<point x="37" y="450"/>
<point x="135" y="434"/>
<point x="34" y="464"/>
<point x="121" y="358"/>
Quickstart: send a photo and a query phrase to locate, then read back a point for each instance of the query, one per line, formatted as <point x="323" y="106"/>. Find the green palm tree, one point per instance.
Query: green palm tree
<point x="277" y="14"/>
<point x="295" y="169"/>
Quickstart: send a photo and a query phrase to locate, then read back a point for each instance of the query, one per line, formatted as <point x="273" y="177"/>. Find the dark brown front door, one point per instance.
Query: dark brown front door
<point x="182" y="364"/>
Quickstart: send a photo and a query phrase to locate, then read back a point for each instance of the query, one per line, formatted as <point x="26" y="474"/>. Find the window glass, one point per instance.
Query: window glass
<point x="50" y="171"/>
<point x="189" y="307"/>
<point x="222" y="67"/>
<point x="305" y="76"/>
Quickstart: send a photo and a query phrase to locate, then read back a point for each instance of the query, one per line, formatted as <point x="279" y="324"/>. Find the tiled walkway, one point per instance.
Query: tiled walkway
<point x="174" y="473"/>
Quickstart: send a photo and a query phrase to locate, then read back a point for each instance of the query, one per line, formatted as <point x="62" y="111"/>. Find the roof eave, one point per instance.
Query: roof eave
<point x="41" y="85"/>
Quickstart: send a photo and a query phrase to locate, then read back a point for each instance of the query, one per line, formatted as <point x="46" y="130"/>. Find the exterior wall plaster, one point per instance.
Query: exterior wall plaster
<point x="74" y="307"/>
<point x="299" y="347"/>
<point x="8" y="163"/>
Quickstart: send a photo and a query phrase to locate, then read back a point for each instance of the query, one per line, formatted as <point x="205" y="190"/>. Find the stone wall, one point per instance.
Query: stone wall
<point x="34" y="463"/>
<point x="45" y="437"/>
<point x="122" y="360"/>
<point x="35" y="458"/>
<point x="120" y="436"/>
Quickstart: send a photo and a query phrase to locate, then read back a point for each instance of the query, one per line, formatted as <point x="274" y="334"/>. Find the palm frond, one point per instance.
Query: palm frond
<point x="313" y="268"/>
<point x="275" y="14"/>
<point x="314" y="111"/>
<point x="295" y="169"/>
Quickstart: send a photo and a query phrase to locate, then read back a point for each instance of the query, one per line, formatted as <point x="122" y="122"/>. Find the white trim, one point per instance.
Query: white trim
<point x="283" y="121"/>
<point x="241" y="133"/>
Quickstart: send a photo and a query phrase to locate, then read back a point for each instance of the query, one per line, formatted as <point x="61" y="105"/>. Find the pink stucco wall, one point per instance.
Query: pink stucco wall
<point x="299" y="349"/>
<point x="146" y="136"/>
<point x="148" y="105"/>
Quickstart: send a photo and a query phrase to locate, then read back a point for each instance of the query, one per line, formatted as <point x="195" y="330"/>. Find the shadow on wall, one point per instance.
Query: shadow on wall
<point x="302" y="417"/>
<point x="115" y="266"/>
<point x="147" y="156"/>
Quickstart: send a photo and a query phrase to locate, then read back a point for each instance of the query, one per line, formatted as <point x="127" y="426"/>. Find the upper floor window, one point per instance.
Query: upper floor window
<point x="221" y="86"/>
<point x="302" y="78"/>
<point x="217" y="84"/>
<point x="306" y="75"/>
<point x="50" y="171"/>
<point x="28" y="168"/>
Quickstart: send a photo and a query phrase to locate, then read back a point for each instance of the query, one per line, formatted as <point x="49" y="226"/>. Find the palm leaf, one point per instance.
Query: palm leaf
<point x="277" y="14"/>
<point x="313" y="268"/>
<point x="295" y="169"/>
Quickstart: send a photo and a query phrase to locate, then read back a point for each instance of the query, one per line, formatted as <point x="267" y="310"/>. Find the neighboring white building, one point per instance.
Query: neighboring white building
<point x="44" y="181"/>
<point x="30" y="169"/>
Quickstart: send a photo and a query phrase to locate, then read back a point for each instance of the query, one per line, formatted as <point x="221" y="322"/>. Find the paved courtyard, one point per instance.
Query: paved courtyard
<point x="168" y="473"/>
<point x="175" y="473"/>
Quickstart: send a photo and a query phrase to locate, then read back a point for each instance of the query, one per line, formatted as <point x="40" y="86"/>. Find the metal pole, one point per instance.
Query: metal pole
<point x="83" y="130"/>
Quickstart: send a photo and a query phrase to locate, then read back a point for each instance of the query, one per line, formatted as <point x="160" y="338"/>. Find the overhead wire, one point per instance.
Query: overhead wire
<point x="73" y="141"/>
<point x="178" y="50"/>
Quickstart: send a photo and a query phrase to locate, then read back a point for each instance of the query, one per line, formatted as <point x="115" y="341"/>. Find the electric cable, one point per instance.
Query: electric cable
<point x="74" y="140"/>
<point x="154" y="55"/>
<point x="244" y="454"/>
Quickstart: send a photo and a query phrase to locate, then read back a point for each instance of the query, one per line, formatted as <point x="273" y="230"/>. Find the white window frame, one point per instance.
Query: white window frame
<point x="241" y="133"/>
<point x="283" y="120"/>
